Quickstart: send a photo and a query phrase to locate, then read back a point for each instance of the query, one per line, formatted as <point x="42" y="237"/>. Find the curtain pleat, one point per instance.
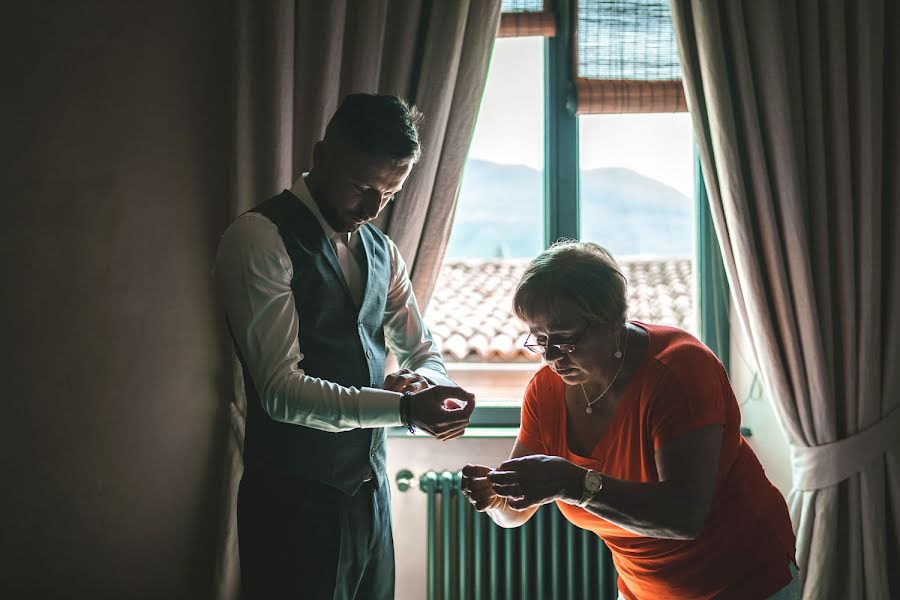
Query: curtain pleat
<point x="793" y="110"/>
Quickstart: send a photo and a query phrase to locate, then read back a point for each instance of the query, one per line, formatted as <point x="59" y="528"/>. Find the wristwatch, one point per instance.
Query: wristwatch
<point x="593" y="483"/>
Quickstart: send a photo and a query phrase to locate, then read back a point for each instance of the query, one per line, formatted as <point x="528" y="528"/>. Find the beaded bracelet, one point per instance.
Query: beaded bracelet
<point x="404" y="412"/>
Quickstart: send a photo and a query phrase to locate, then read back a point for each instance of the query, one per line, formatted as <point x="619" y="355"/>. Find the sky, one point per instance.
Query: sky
<point x="510" y="127"/>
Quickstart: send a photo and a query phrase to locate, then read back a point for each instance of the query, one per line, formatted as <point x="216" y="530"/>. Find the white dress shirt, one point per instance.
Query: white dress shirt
<point x="253" y="276"/>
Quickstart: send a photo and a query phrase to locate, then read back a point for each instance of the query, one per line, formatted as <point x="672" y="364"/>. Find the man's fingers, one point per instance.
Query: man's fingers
<point x="469" y="407"/>
<point x="443" y="431"/>
<point x="418" y="385"/>
<point x="412" y="386"/>
<point x="451" y="423"/>
<point x="413" y="382"/>
<point x="449" y="431"/>
<point x="452" y="433"/>
<point x="459" y="407"/>
<point x="434" y="416"/>
<point x="446" y="391"/>
<point x="448" y="420"/>
<point x="405" y="380"/>
<point x="456" y="413"/>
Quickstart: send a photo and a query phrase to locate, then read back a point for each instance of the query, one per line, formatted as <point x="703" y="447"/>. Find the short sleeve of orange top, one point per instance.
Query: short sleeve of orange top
<point x="747" y="541"/>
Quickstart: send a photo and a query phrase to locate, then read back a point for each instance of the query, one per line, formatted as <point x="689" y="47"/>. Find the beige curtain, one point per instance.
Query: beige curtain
<point x="295" y="61"/>
<point x="795" y="111"/>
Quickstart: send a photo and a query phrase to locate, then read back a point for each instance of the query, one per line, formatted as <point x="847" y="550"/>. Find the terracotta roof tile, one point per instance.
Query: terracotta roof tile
<point x="471" y="314"/>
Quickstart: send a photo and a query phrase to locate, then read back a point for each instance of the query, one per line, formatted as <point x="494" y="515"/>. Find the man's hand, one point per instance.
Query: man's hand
<point x="405" y="380"/>
<point x="441" y="411"/>
<point x="478" y="489"/>
<point x="538" y="479"/>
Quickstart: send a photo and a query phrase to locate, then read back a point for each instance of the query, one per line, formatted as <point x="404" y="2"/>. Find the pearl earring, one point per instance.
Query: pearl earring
<point x="618" y="353"/>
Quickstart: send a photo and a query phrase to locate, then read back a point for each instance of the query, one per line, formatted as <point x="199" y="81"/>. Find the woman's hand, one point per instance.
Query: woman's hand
<point x="537" y="479"/>
<point x="477" y="489"/>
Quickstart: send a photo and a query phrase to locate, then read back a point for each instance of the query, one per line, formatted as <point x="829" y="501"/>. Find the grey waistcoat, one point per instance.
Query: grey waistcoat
<point x="339" y="343"/>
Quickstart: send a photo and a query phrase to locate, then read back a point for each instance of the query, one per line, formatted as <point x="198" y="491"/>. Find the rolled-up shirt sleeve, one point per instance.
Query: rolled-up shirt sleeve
<point x="253" y="275"/>
<point x="406" y="333"/>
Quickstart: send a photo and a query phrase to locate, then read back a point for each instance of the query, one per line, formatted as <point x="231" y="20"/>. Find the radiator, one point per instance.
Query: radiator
<point x="471" y="558"/>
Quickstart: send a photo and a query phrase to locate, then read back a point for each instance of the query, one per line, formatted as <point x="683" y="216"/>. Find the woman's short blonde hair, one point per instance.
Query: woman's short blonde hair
<point x="573" y="275"/>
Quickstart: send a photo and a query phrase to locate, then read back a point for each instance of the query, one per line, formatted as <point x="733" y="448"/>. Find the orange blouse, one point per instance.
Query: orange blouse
<point x="747" y="542"/>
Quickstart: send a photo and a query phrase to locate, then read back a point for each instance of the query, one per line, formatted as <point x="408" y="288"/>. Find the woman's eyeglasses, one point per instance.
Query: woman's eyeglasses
<point x="542" y="347"/>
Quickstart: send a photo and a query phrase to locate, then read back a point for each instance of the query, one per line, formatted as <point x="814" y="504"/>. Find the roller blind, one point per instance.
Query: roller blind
<point x="521" y="18"/>
<point x="627" y="57"/>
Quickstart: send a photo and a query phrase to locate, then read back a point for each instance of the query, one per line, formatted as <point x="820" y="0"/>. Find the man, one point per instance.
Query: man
<point x="313" y="295"/>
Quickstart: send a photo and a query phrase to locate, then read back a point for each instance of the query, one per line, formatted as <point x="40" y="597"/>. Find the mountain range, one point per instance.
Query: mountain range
<point x="500" y="213"/>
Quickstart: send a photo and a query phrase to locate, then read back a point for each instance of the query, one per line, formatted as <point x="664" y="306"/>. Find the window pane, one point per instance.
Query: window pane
<point x="498" y="227"/>
<point x="637" y="190"/>
<point x="500" y="211"/>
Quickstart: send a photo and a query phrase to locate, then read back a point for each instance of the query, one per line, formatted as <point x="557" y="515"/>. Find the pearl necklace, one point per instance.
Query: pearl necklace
<point x="590" y="403"/>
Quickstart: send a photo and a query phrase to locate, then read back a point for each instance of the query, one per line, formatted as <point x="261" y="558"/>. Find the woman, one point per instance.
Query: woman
<point x="633" y="430"/>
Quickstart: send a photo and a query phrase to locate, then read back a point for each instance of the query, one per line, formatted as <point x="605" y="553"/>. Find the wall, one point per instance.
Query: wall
<point x="114" y="151"/>
<point x="419" y="456"/>
<point x="767" y="438"/>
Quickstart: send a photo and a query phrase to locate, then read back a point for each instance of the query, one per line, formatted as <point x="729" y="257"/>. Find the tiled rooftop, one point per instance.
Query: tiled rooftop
<point x="471" y="313"/>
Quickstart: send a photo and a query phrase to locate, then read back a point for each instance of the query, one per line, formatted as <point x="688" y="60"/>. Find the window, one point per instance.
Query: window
<point x="538" y="171"/>
<point x="498" y="228"/>
<point x="505" y="167"/>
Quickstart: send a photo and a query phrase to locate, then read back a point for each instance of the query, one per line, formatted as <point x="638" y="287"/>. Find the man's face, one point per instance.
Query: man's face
<point x="353" y="187"/>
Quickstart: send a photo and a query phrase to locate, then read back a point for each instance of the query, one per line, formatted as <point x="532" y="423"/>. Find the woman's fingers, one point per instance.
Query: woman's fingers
<point x="472" y="471"/>
<point x="509" y="490"/>
<point x="477" y="484"/>
<point x="520" y="503"/>
<point x="482" y="504"/>
<point x="479" y="492"/>
<point x="504" y="477"/>
<point x="477" y="488"/>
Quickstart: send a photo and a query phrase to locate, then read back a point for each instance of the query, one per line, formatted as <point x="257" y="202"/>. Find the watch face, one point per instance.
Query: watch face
<point x="593" y="482"/>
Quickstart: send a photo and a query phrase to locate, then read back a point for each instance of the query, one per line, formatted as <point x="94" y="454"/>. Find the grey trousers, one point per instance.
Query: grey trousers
<point x="302" y="539"/>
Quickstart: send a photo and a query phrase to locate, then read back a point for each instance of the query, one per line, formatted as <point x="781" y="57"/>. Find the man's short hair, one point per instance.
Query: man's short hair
<point x="382" y="126"/>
